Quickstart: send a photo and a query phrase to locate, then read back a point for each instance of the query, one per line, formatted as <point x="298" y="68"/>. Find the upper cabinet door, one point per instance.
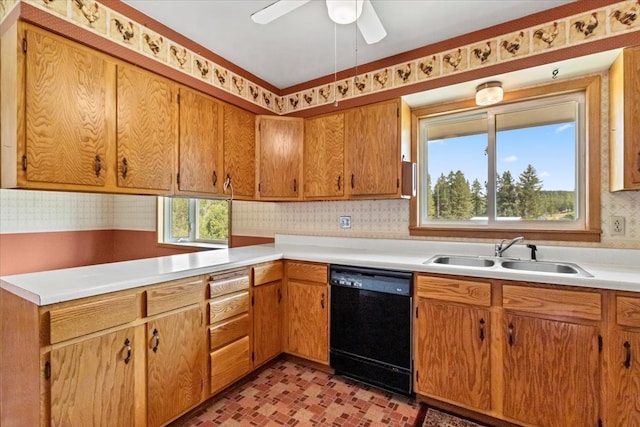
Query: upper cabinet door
<point x="373" y="150"/>
<point x="200" y="148"/>
<point x="239" y="139"/>
<point x="324" y="157"/>
<point x="279" y="157"/>
<point x="68" y="95"/>
<point x="147" y="130"/>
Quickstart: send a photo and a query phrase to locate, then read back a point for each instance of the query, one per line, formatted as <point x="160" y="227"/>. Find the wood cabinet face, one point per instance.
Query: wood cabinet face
<point x="551" y="372"/>
<point x="66" y="112"/>
<point x="279" y="157"/>
<point x="324" y="157"/>
<point x="373" y="149"/>
<point x="267" y="321"/>
<point x="239" y="138"/>
<point x="308" y="321"/>
<point x="176" y="370"/>
<point x="91" y="385"/>
<point x="200" y="147"/>
<point x="625" y="369"/>
<point x="147" y="129"/>
<point x="453" y="353"/>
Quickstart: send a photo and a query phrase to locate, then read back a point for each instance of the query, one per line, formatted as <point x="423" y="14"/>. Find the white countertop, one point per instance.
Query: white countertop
<point x="615" y="269"/>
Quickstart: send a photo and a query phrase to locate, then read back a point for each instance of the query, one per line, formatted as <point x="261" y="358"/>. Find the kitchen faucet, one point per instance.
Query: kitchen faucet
<point x="500" y="248"/>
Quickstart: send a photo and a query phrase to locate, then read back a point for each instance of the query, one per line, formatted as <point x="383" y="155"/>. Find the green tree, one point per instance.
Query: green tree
<point x="478" y="199"/>
<point x="213" y="215"/>
<point x="460" y="196"/>
<point x="529" y="187"/>
<point x="506" y="196"/>
<point x="431" y="210"/>
<point x="441" y="199"/>
<point x="179" y="218"/>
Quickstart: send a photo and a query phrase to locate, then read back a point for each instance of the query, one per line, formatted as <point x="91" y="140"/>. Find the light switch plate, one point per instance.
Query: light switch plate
<point x="345" y="222"/>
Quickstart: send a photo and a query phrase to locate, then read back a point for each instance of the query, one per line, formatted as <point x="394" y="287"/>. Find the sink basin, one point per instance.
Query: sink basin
<point x="543" y="267"/>
<point x="463" y="261"/>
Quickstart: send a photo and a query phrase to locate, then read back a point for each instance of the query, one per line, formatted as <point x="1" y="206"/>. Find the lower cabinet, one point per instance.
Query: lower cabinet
<point x="308" y="311"/>
<point x="92" y="382"/>
<point x="452" y="341"/>
<point x="267" y="311"/>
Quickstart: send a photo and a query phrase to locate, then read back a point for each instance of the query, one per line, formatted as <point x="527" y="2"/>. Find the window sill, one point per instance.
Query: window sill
<point x="192" y="245"/>
<point x="529" y="234"/>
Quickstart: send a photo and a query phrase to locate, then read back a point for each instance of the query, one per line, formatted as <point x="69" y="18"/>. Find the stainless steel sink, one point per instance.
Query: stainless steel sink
<point x="461" y="261"/>
<point x="544" y="267"/>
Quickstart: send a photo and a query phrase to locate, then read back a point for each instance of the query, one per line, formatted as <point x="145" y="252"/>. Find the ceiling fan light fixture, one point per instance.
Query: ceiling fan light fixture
<point x="344" y="11"/>
<point x="489" y="93"/>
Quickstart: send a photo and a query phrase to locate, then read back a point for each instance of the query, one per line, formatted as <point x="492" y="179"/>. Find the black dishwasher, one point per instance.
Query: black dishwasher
<point x="371" y="326"/>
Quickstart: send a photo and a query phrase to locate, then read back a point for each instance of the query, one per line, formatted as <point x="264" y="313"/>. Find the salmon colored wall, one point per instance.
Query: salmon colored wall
<point x="237" y="241"/>
<point x="129" y="244"/>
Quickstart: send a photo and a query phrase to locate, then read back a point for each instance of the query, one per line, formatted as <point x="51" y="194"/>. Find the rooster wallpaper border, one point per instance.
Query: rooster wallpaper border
<point x="94" y="16"/>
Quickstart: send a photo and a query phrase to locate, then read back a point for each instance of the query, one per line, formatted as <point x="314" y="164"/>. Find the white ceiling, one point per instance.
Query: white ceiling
<point x="299" y="46"/>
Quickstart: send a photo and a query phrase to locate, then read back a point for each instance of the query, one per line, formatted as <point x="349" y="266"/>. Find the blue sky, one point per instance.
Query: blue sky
<point x="550" y="149"/>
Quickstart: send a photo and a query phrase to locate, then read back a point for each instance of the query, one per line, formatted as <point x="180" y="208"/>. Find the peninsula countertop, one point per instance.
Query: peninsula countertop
<point x="615" y="269"/>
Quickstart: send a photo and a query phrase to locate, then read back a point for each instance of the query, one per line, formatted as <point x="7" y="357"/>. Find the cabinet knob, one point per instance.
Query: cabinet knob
<point x="156" y="337"/>
<point x="127" y="348"/>
<point x="627" y="358"/>
<point x="98" y="165"/>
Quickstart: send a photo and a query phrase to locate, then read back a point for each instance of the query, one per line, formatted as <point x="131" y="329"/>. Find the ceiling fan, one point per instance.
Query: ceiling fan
<point x="340" y="12"/>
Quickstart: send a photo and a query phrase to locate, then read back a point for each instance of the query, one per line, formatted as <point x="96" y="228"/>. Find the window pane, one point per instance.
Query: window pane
<point x="456" y="153"/>
<point x="536" y="164"/>
<point x="213" y="220"/>
<point x="179" y="218"/>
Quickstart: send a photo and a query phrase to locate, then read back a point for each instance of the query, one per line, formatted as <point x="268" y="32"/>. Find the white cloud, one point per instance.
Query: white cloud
<point x="510" y="159"/>
<point x="564" y="127"/>
<point x="544" y="174"/>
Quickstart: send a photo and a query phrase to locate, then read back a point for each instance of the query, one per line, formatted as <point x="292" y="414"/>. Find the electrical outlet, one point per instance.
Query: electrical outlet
<point x="617" y="226"/>
<point x="345" y="222"/>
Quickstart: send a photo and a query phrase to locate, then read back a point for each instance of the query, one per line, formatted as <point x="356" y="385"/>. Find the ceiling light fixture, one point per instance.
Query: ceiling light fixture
<point x="344" y="11"/>
<point x="489" y="93"/>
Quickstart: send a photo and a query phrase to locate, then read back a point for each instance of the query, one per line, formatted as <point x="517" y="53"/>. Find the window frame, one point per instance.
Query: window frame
<point x="165" y="225"/>
<point x="591" y="232"/>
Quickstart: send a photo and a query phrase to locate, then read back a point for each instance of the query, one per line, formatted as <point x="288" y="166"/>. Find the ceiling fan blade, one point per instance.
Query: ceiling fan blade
<point x="276" y="10"/>
<point x="369" y="24"/>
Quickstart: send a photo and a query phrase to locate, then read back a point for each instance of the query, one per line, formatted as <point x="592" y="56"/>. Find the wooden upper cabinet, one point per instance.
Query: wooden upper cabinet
<point x="200" y="146"/>
<point x="279" y="157"/>
<point x="624" y="105"/>
<point x="66" y="113"/>
<point x="147" y="130"/>
<point x="374" y="149"/>
<point x="324" y="159"/>
<point x="239" y="139"/>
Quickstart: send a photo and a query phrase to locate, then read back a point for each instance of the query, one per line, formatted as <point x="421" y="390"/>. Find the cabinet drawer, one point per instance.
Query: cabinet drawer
<point x="229" y="364"/>
<point x="182" y="294"/>
<point x="308" y="272"/>
<point x="71" y="322"/>
<point x="267" y="273"/>
<point x="628" y="311"/>
<point x="553" y="302"/>
<point x="229" y="306"/>
<point x="226" y="332"/>
<point x="228" y="286"/>
<point x="454" y="290"/>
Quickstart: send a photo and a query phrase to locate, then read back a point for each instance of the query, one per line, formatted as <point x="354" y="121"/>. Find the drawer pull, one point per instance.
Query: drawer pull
<point x="482" y="322"/>
<point x="510" y="331"/>
<point x="156" y="336"/>
<point x="627" y="359"/>
<point x="127" y="347"/>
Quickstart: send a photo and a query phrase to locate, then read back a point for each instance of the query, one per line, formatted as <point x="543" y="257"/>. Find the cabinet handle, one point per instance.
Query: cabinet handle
<point x="353" y="181"/>
<point x="295" y="185"/>
<point x="156" y="336"/>
<point x="279" y="295"/>
<point x="339" y="182"/>
<point x="322" y="300"/>
<point x="511" y="338"/>
<point x="125" y="168"/>
<point x="98" y="165"/>
<point x="214" y="178"/>
<point x="627" y="359"/>
<point x="127" y="347"/>
<point x="482" y="322"/>
<point x="638" y="161"/>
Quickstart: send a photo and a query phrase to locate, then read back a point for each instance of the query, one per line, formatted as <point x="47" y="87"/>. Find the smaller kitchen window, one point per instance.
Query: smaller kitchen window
<point x="194" y="222"/>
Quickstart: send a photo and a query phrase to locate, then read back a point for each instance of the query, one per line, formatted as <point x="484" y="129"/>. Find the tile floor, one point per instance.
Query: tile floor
<point x="289" y="394"/>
